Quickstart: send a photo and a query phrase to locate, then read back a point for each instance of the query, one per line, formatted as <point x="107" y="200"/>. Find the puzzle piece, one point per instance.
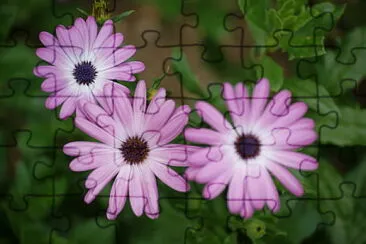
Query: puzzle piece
<point x="229" y="46"/>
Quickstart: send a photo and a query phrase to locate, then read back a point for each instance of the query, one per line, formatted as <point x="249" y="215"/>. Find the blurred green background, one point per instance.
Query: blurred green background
<point x="316" y="49"/>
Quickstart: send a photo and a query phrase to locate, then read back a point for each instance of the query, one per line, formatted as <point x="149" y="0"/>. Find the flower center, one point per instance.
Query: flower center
<point x="134" y="150"/>
<point x="247" y="146"/>
<point x="84" y="73"/>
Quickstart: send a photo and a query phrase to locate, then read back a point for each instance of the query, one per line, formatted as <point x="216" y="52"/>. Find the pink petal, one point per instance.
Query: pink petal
<point x="136" y="194"/>
<point x="45" y="71"/>
<point x="63" y="35"/>
<point x="232" y="103"/>
<point x="53" y="84"/>
<point x="256" y="193"/>
<point x="78" y="148"/>
<point x="277" y="107"/>
<point x="206" y="155"/>
<point x="286" y="178"/>
<point x="119" y="56"/>
<point x="243" y="104"/>
<point x="139" y="106"/>
<point x="210" y="171"/>
<point x="191" y="173"/>
<point x="77" y="43"/>
<point x="295" y="112"/>
<point x="103" y="120"/>
<point x="95" y="132"/>
<point x="303" y="124"/>
<point x="108" y="47"/>
<point x="97" y="180"/>
<point x="96" y="159"/>
<point x="107" y="99"/>
<point x="294" y="160"/>
<point x="156" y="102"/>
<point x="175" y="124"/>
<point x="68" y="108"/>
<point x="125" y="115"/>
<point x="151" y="192"/>
<point x="235" y="194"/>
<point x="54" y="101"/>
<point x="169" y="177"/>
<point x="173" y="154"/>
<point x="212" y="117"/>
<point x="118" y="195"/>
<point x="156" y="121"/>
<point x="54" y="57"/>
<point x="259" y="98"/>
<point x="104" y="33"/>
<point x="92" y="29"/>
<point x="214" y="188"/>
<point x="247" y="210"/>
<point x="203" y="136"/>
<point x="269" y="187"/>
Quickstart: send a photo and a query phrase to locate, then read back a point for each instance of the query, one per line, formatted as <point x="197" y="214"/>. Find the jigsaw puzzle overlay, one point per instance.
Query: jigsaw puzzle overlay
<point x="205" y="121"/>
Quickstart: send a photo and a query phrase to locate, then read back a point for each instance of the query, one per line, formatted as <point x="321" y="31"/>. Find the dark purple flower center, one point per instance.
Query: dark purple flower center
<point x="247" y="146"/>
<point x="84" y="73"/>
<point x="134" y="150"/>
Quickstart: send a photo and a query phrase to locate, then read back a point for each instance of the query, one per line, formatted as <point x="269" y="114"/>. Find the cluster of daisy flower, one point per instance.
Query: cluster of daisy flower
<point x="135" y="135"/>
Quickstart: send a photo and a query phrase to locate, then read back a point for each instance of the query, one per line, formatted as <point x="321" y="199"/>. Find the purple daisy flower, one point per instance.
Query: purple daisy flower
<point x="259" y="142"/>
<point x="82" y="62"/>
<point x="133" y="149"/>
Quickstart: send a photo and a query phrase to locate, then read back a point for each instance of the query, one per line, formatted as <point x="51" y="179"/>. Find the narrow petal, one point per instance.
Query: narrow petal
<point x="212" y="117"/>
<point x="191" y="173"/>
<point x="259" y="98"/>
<point x="203" y="136"/>
<point x="175" y="125"/>
<point x="136" y="194"/>
<point x="169" y="177"/>
<point x="68" y="108"/>
<point x="104" y="33"/>
<point x="243" y="104"/>
<point x="294" y="160"/>
<point x="97" y="180"/>
<point x="160" y="118"/>
<point x="119" y="56"/>
<point x="95" y="132"/>
<point x="173" y="154"/>
<point x="206" y="155"/>
<point x="95" y="160"/>
<point x="118" y="194"/>
<point x="139" y="105"/>
<point x="210" y="171"/>
<point x="235" y="194"/>
<point x="151" y="192"/>
<point x="295" y="112"/>
<point x="286" y="178"/>
<point x="214" y="188"/>
<point x="78" y="148"/>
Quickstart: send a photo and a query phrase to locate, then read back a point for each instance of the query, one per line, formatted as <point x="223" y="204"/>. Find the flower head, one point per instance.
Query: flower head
<point x="134" y="148"/>
<point x="82" y="60"/>
<point x="259" y="142"/>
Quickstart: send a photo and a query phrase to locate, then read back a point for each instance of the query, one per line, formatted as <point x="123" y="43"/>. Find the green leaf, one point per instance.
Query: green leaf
<point x="347" y="63"/>
<point x="188" y="79"/>
<point x="272" y="71"/>
<point x="255" y="13"/>
<point x="88" y="231"/>
<point x="84" y="13"/>
<point x="350" y="129"/>
<point x="302" y="222"/>
<point x="121" y="16"/>
<point x="314" y="95"/>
